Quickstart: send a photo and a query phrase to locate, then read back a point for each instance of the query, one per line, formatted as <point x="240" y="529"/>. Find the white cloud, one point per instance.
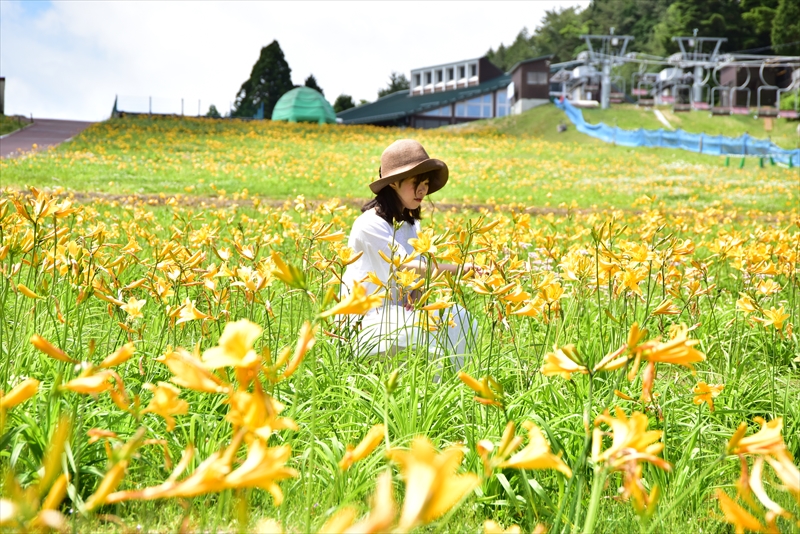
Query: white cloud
<point x="68" y="59"/>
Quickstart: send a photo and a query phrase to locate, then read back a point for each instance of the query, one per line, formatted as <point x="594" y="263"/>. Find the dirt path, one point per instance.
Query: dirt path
<point x="43" y="133"/>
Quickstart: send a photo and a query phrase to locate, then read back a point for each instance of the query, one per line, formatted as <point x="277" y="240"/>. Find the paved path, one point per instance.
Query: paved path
<point x="43" y="133"/>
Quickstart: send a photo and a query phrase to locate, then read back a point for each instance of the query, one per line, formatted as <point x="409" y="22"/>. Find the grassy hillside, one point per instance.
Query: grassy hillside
<point x="236" y="159"/>
<point x="542" y="122"/>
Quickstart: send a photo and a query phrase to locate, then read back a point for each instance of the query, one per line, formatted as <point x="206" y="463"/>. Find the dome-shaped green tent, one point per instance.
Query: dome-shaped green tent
<point x="303" y="104"/>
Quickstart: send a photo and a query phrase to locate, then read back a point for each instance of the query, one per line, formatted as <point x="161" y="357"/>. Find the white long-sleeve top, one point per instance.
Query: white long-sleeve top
<point x="371" y="234"/>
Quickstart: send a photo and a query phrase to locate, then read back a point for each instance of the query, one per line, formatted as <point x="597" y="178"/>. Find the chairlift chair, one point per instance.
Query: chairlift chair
<point x="765" y="111"/>
<point x="704" y="104"/>
<point x="678" y="105"/>
<point x="716" y="95"/>
<point x="739" y="110"/>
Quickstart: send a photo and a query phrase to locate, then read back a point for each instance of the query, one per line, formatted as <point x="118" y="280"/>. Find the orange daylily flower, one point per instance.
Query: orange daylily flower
<point x="166" y="403"/>
<point x="90" y="382"/>
<point x="263" y="467"/>
<point x="706" y="393"/>
<point x="536" y="454"/>
<point x="678" y="350"/>
<point x="19" y="394"/>
<point x="235" y="347"/>
<point x="490" y="527"/>
<point x="22" y="288"/>
<point x="356" y="303"/>
<point x="631" y="441"/>
<point x="51" y="350"/>
<point x="305" y="340"/>
<point x="364" y="448"/>
<point x="383" y="511"/>
<point x="257" y="413"/>
<point x="134" y="308"/>
<point x="666" y="307"/>
<point x="563" y="362"/>
<point x="188" y="312"/>
<point x="121" y="355"/>
<point x="489" y="390"/>
<point x="190" y="372"/>
<point x="773" y="317"/>
<point x="740" y="518"/>
<point x="432" y="487"/>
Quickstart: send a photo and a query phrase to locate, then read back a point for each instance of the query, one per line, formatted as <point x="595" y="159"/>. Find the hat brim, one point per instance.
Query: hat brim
<point x="437" y="181"/>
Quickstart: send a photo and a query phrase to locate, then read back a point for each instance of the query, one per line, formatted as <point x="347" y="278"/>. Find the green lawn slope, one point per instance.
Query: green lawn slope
<point x="542" y="121"/>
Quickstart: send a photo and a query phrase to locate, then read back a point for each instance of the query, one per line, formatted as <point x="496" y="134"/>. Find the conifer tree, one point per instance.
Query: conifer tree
<point x="312" y="83"/>
<point x="270" y="78"/>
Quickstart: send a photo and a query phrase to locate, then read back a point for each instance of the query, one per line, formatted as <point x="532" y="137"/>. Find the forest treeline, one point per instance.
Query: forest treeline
<point x="755" y="26"/>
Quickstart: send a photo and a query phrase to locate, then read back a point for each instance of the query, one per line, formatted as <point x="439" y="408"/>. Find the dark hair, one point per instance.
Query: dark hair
<point x="389" y="207"/>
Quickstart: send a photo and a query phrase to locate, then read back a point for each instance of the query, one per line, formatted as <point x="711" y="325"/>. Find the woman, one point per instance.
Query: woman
<point x="388" y="222"/>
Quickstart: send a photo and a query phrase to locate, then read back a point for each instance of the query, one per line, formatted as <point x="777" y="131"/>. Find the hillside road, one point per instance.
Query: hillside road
<point x="43" y="133"/>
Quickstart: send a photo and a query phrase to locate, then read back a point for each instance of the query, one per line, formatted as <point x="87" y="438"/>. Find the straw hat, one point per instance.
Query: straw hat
<point x="405" y="158"/>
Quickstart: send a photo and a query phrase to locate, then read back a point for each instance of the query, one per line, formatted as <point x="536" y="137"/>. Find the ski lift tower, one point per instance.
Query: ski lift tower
<point x="609" y="51"/>
<point x="692" y="55"/>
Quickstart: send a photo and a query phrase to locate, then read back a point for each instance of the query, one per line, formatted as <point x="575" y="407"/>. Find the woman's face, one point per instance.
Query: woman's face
<point x="410" y="192"/>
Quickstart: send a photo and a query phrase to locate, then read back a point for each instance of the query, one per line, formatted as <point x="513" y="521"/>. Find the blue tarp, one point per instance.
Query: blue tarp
<point x="719" y="145"/>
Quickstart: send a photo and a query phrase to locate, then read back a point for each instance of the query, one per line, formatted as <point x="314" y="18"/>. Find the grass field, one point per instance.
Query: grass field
<point x="11" y="124"/>
<point x="174" y="356"/>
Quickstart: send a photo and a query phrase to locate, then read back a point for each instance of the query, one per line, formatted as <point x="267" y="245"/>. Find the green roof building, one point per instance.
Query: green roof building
<point x="303" y="104"/>
<point x="458" y="92"/>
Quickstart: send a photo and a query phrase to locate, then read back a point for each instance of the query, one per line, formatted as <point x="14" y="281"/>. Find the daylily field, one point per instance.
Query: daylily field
<point x="175" y="356"/>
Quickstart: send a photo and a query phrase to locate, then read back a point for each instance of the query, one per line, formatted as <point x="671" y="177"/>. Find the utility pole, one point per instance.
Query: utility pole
<point x="692" y="56"/>
<point x="608" y="52"/>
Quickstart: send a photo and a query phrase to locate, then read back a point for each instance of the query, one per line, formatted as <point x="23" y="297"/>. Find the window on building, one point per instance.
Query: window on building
<point x="443" y="111"/>
<point x="475" y="108"/>
<point x="473" y="70"/>
<point x="427" y="78"/>
<point x="450" y="74"/>
<point x="502" y="103"/>
<point x="438" y="76"/>
<point x="462" y="72"/>
<point x="536" y="78"/>
<point x="417" y="80"/>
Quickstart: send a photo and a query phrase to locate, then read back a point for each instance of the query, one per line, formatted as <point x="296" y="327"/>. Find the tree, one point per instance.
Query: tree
<point x="269" y="80"/>
<point x="312" y="83"/>
<point x="213" y="113"/>
<point x="343" y="102"/>
<point x="560" y="34"/>
<point x="397" y="82"/>
<point x="786" y="28"/>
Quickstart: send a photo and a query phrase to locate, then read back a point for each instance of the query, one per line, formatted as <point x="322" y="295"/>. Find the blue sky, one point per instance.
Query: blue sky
<point x="69" y="59"/>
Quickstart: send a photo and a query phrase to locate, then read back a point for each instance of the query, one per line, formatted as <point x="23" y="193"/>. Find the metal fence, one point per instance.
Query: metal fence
<point x="191" y="107"/>
<point x="743" y="145"/>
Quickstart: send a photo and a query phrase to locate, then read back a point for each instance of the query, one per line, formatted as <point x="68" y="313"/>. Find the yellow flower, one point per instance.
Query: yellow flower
<point x="262" y="468"/>
<point x="490" y="527"/>
<point x="166" y="403"/>
<point x="423" y="243"/>
<point x="22" y="288"/>
<point x="486" y="395"/>
<point x="235" y="347"/>
<point x="563" y="362"/>
<point x="134" y="308"/>
<point x="19" y="394"/>
<point x="706" y="393"/>
<point x="536" y="454"/>
<point x="188" y="371"/>
<point x="289" y="274"/>
<point x="381" y="516"/>
<point x="356" y="303"/>
<point x="746" y="304"/>
<point x="767" y="440"/>
<point x="364" y="448"/>
<point x="257" y="413"/>
<point x="121" y="355"/>
<point x="432" y="486"/>
<point x="631" y="441"/>
<point x="305" y="340"/>
<point x="774" y="317"/>
<point x="51" y="350"/>
<point x="190" y="313"/>
<point x="678" y="350"/>
<point x="737" y="516"/>
<point x="90" y="382"/>
<point x="667" y="307"/>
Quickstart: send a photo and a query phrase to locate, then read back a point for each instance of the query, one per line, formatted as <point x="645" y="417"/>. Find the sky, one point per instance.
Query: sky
<point x="71" y="59"/>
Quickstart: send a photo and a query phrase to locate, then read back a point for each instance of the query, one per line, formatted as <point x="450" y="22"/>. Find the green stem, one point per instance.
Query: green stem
<point x="594" y="504"/>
